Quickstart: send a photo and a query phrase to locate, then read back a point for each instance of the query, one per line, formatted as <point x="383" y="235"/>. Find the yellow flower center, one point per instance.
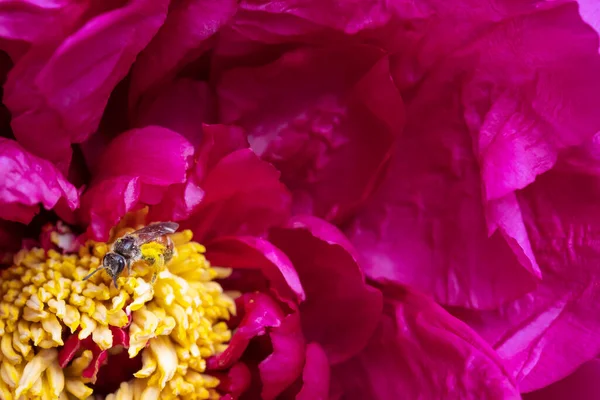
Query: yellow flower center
<point x="173" y="325"/>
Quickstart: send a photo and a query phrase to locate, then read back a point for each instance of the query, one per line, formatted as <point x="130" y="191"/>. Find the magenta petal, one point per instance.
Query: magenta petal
<point x="336" y="124"/>
<point x="583" y="384"/>
<point x="482" y="122"/>
<point x="284" y="365"/>
<point x="510" y="107"/>
<point x="243" y="196"/>
<point x="28" y="181"/>
<point x="258" y="254"/>
<point x="341" y="311"/>
<point x="180" y="40"/>
<point x="63" y="91"/>
<point x="548" y="333"/>
<point x="36" y="22"/>
<point x="312" y="20"/>
<point x="422" y="352"/>
<point x="315" y="377"/>
<point x="260" y="313"/>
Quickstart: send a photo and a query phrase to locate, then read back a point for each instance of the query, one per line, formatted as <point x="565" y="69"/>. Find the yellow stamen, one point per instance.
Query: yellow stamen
<point x="176" y="322"/>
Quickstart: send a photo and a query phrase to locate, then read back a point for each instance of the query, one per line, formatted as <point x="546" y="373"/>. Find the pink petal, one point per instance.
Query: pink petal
<point x="182" y="39"/>
<point x="243" y="196"/>
<point x="334" y="124"/>
<point x="315" y="376"/>
<point x="212" y="142"/>
<point x="179" y="202"/>
<point x="547" y="334"/>
<point x="341" y="311"/>
<point x="158" y="156"/>
<point x="284" y="365"/>
<point x="137" y="168"/>
<point x="258" y="254"/>
<point x="63" y="91"/>
<point x="260" y="313"/>
<point x="105" y="203"/>
<point x="583" y="384"/>
<point x="422" y="352"/>
<point x="181" y="106"/>
<point x="28" y="181"/>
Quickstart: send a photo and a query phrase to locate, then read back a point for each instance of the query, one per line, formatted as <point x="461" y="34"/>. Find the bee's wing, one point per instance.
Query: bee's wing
<point x="153" y="231"/>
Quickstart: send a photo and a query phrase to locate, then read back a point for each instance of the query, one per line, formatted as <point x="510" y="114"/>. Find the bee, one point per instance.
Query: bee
<point x="127" y="250"/>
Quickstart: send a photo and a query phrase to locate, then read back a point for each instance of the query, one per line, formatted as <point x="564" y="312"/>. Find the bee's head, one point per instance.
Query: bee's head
<point x="114" y="264"/>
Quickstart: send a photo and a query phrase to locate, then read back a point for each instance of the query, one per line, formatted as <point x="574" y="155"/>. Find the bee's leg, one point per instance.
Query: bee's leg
<point x="158" y="265"/>
<point x="129" y="266"/>
<point x="169" y="250"/>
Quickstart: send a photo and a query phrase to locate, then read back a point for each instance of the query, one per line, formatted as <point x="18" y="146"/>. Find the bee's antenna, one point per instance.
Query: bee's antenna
<point x="93" y="272"/>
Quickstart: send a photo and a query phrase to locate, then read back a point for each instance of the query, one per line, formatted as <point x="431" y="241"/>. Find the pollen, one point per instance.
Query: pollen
<point x="57" y="331"/>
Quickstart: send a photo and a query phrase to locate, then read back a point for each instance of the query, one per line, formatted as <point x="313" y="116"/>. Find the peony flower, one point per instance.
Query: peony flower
<point x="261" y="311"/>
<point x="444" y="150"/>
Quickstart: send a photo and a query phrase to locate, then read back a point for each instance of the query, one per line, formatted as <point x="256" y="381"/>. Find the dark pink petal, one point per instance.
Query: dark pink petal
<point x="236" y="381"/>
<point x="68" y="351"/>
<point x="136" y="169"/>
<point x="28" y="181"/>
<point x="341" y="311"/>
<point x="243" y="196"/>
<point x="10" y="239"/>
<point x="583" y="384"/>
<point x="120" y="336"/>
<point x="62" y="91"/>
<point x="181" y="106"/>
<point x="98" y="357"/>
<point x="545" y="335"/>
<point x="258" y="254"/>
<point x="315" y="377"/>
<point x="421" y="352"/>
<point x="260" y="314"/>
<point x="284" y="365"/>
<point x="182" y="39"/>
<point x="116" y="369"/>
<point x="335" y="123"/>
<point x="217" y="142"/>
